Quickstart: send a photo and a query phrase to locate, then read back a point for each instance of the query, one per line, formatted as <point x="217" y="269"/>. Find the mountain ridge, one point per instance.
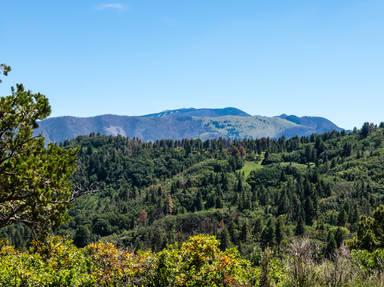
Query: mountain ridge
<point x="204" y="123"/>
<point x="201" y="112"/>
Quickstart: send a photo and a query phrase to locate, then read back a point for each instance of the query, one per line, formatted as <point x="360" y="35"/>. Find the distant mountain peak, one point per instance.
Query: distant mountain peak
<point x="185" y="123"/>
<point x="202" y="112"/>
<point x="169" y="112"/>
<point x="320" y="124"/>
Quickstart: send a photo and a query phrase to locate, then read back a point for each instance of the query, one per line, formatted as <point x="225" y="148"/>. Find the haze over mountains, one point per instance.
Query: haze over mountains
<point x="185" y="123"/>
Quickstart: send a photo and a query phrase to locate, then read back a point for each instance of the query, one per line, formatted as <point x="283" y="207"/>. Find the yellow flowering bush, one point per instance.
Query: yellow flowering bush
<point x="200" y="262"/>
<point x="57" y="262"/>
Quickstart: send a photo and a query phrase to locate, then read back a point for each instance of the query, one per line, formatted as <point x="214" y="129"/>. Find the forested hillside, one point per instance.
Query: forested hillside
<point x="251" y="193"/>
<point x="278" y="212"/>
<point x="112" y="211"/>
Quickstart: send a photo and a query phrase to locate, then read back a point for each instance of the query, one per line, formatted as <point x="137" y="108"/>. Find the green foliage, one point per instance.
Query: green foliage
<point x="371" y="262"/>
<point x="57" y="262"/>
<point x="370" y="234"/>
<point x="155" y="195"/>
<point x="250" y="166"/>
<point x="150" y="194"/>
<point x="331" y="245"/>
<point x="4" y="70"/>
<point x="200" y="262"/>
<point x="196" y="262"/>
<point x="34" y="179"/>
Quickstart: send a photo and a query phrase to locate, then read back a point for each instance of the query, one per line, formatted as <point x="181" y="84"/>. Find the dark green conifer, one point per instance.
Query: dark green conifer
<point x="342" y="218"/>
<point x="244" y="235"/>
<point x="339" y="237"/>
<point x="331" y="245"/>
<point x="225" y="239"/>
<point x="299" y="230"/>
<point x="268" y="235"/>
<point x="279" y="232"/>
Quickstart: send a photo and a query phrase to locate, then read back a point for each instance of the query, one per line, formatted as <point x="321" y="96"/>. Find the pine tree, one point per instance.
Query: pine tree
<point x="342" y="218"/>
<point x="309" y="211"/>
<point x="244" y="235"/>
<point x="299" y="230"/>
<point x="283" y="204"/>
<point x="257" y="227"/>
<point x="219" y="202"/>
<point x="279" y="232"/>
<point x="365" y="130"/>
<point x="82" y="236"/>
<point x="225" y="182"/>
<point x="347" y="149"/>
<point x="339" y="237"/>
<point x="35" y="185"/>
<point x="266" y="158"/>
<point x="239" y="187"/>
<point x="307" y="187"/>
<point x="169" y="205"/>
<point x="331" y="245"/>
<point x="354" y="216"/>
<point x="173" y="188"/>
<point x="268" y="235"/>
<point x="199" y="205"/>
<point x="265" y="280"/>
<point x="211" y="201"/>
<point x="225" y="239"/>
<point x="235" y="199"/>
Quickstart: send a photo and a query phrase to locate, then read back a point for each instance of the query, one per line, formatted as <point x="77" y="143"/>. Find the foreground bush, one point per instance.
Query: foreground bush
<point x="196" y="262"/>
<point x="200" y="262"/>
<point x="57" y="262"/>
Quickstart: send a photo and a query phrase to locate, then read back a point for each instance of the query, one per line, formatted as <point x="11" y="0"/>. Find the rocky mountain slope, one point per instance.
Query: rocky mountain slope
<point x="185" y="123"/>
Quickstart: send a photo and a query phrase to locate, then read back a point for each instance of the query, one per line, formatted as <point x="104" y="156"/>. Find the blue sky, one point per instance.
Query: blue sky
<point x="134" y="57"/>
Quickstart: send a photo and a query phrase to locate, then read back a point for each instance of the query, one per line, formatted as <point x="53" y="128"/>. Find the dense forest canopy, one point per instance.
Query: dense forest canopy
<point x="293" y="208"/>
<point x="113" y="211"/>
<point x="152" y="194"/>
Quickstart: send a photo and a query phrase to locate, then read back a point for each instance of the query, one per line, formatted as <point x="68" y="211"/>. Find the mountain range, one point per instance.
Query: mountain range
<point x="185" y="123"/>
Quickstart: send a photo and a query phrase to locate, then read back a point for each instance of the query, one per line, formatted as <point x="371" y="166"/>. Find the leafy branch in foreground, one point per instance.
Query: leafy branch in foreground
<point x="34" y="179"/>
<point x="4" y="70"/>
